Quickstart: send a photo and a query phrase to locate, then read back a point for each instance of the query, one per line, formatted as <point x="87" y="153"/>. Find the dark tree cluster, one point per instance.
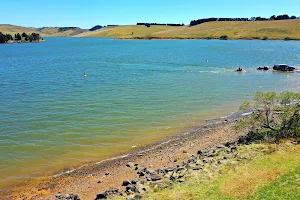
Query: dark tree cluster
<point x="157" y="24"/>
<point x="63" y="29"/>
<point x="279" y="17"/>
<point x="282" y="17"/>
<point x="96" y="28"/>
<point x="5" y="37"/>
<point x="200" y="21"/>
<point x="31" y="38"/>
<point x="20" y="37"/>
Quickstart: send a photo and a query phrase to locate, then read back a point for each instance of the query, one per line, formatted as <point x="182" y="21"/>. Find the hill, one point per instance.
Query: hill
<point x="45" y="31"/>
<point x="126" y="31"/>
<point x="275" y="29"/>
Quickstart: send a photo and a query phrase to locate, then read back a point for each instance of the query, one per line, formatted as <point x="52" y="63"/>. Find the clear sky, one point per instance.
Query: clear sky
<point x="87" y="13"/>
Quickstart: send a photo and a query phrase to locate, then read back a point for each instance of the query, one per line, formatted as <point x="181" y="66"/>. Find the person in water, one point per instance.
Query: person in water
<point x="84" y="74"/>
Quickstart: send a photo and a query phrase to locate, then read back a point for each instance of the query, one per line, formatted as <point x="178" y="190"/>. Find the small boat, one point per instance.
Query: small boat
<point x="240" y="70"/>
<point x="263" y="68"/>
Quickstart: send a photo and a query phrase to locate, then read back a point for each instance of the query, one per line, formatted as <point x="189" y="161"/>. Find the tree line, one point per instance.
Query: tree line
<point x="157" y="24"/>
<point x="33" y="37"/>
<point x="273" y="17"/>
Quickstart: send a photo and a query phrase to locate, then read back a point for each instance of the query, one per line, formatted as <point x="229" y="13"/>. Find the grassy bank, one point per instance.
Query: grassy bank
<point x="275" y="30"/>
<point x="272" y="174"/>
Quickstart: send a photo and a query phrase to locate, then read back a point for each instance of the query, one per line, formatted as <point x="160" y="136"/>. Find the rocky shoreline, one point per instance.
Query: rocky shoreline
<point x="151" y="162"/>
<point x="214" y="158"/>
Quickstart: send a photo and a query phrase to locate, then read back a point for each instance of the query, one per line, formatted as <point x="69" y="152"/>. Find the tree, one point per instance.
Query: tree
<point x="265" y="105"/>
<point x="35" y="37"/>
<point x="275" y="116"/>
<point x="18" y="36"/>
<point x="273" y="17"/>
<point x="5" y="37"/>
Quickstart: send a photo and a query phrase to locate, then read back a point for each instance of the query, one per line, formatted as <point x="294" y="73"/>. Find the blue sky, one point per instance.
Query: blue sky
<point x="86" y="14"/>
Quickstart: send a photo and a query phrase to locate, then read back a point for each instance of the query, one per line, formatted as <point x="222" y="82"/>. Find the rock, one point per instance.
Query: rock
<point x="125" y="183"/>
<point x="135" y="181"/>
<point x="155" y="178"/>
<point x="102" y="195"/>
<point x="67" y="197"/>
<point x="141" y="169"/>
<point x="140" y="154"/>
<point x="180" y="169"/>
<point x="184" y="151"/>
<point x="152" y="172"/>
<point x="169" y="169"/>
<point x="175" y="160"/>
<point x="130" y="165"/>
<point x="192" y="160"/>
<point x="130" y="189"/>
<point x="220" y="146"/>
<point x="137" y="197"/>
<point x="234" y="148"/>
<point x="74" y="197"/>
<point x="110" y="193"/>
<point x="180" y="181"/>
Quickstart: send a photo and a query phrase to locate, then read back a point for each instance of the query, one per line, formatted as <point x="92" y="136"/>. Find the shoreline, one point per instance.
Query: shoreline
<point x="104" y="173"/>
<point x="195" y="39"/>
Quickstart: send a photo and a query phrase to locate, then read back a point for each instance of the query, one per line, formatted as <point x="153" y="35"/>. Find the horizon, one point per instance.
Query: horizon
<point x="91" y="13"/>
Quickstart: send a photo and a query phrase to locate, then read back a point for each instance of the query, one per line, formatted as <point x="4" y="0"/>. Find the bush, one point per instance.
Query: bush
<point x="275" y="117"/>
<point x="265" y="38"/>
<point x="287" y="38"/>
<point x="224" y="37"/>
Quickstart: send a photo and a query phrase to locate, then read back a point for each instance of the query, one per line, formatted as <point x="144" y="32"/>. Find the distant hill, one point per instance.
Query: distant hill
<point x="274" y="29"/>
<point x="45" y="31"/>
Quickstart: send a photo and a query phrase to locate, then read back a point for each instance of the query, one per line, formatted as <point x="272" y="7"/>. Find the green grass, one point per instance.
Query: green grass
<point x="273" y="174"/>
<point x="285" y="187"/>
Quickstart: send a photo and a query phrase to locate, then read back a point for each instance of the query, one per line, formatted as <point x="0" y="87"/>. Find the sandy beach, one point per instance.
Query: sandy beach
<point x="89" y="180"/>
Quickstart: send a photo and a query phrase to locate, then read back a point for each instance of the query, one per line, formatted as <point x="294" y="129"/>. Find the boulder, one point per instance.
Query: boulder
<point x="125" y="183"/>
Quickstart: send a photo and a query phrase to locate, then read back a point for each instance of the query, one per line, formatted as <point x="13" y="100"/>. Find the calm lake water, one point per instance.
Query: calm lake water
<point x="135" y="92"/>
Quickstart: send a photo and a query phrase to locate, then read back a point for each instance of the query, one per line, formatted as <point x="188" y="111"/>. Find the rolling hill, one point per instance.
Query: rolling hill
<point x="275" y="29"/>
<point x="44" y="32"/>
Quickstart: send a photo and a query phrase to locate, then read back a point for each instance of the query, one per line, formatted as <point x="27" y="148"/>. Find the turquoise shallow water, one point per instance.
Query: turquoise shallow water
<point x="135" y="92"/>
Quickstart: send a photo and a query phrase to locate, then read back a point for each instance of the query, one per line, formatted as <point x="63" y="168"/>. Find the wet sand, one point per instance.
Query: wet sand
<point x="89" y="180"/>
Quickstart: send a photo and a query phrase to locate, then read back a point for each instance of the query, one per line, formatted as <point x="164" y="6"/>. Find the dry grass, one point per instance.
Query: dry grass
<point x="126" y="31"/>
<point x="50" y="31"/>
<point x="245" y="181"/>
<point x="234" y="30"/>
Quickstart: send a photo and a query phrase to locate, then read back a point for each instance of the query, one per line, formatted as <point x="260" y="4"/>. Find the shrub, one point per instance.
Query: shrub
<point x="224" y="37"/>
<point x="287" y="38"/>
<point x="275" y="116"/>
<point x="265" y="38"/>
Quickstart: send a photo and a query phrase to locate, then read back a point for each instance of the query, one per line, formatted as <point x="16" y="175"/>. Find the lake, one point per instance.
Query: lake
<point x="135" y="92"/>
